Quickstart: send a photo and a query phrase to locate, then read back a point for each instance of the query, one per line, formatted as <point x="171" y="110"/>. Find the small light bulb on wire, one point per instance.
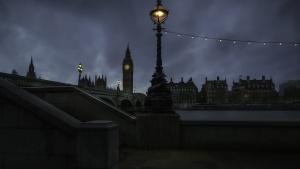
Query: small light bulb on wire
<point x="234" y="41"/>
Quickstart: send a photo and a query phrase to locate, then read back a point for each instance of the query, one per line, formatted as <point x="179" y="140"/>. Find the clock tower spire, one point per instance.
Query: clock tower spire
<point x="127" y="68"/>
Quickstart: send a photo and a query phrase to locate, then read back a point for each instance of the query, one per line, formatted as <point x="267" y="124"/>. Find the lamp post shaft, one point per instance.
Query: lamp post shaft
<point x="158" y="50"/>
<point x="79" y="77"/>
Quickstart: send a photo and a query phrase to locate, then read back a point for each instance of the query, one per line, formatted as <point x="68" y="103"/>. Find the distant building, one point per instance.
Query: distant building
<point x="254" y="91"/>
<point x="30" y="72"/>
<point x="99" y="83"/>
<point x="183" y="92"/>
<point x="290" y="83"/>
<point x="86" y="82"/>
<point x="215" y="91"/>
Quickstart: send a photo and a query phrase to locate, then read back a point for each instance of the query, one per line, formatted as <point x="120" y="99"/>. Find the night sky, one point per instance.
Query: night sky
<point x="59" y="34"/>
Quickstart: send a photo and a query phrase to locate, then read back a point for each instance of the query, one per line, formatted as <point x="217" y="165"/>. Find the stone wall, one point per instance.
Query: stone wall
<point x="158" y="131"/>
<point x="29" y="142"/>
<point x="35" y="134"/>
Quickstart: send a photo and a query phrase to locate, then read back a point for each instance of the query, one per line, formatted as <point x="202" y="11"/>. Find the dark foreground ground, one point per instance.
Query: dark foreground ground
<point x="207" y="159"/>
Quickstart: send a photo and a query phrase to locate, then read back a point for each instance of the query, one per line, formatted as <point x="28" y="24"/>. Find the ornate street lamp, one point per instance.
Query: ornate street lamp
<point x="158" y="98"/>
<point x="118" y="93"/>
<point x="80" y="69"/>
<point x="118" y="87"/>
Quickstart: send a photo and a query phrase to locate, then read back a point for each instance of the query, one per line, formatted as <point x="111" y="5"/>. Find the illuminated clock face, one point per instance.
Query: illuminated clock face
<point x="126" y="67"/>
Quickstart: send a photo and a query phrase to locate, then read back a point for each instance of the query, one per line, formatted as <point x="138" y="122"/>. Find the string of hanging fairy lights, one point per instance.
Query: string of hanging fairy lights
<point x="233" y="40"/>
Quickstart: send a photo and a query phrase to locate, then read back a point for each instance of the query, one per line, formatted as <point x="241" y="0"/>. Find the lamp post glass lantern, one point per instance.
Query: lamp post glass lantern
<point x="159" y="14"/>
<point x="80" y="69"/>
<point x="158" y="98"/>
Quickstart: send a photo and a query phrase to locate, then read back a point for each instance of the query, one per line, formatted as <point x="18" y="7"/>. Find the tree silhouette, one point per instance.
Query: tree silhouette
<point x="291" y="94"/>
<point x="14" y="72"/>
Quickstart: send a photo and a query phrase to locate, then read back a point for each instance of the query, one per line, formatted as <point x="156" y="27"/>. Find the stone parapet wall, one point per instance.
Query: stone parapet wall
<point x="27" y="142"/>
<point x="158" y="130"/>
<point x="35" y="134"/>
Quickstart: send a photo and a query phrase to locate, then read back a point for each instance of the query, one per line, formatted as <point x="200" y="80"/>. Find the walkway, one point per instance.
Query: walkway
<point x="198" y="159"/>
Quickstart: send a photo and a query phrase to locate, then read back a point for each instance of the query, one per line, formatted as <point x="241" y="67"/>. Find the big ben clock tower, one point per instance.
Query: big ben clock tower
<point x="127" y="68"/>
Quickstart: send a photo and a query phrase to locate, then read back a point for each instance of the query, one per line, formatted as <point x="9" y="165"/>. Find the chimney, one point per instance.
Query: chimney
<point x="218" y="78"/>
<point x="248" y="78"/>
<point x="263" y="78"/>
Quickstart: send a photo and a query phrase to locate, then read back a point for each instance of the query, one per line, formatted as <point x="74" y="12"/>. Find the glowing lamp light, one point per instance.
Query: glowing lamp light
<point x="80" y="68"/>
<point x="159" y="14"/>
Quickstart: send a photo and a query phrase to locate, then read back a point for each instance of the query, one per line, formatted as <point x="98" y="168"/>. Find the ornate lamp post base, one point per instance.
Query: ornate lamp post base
<point x="159" y="98"/>
<point x="158" y="105"/>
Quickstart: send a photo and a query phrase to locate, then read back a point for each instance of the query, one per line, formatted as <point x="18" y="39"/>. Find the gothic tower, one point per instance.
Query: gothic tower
<point x="31" y="73"/>
<point x="127" y="68"/>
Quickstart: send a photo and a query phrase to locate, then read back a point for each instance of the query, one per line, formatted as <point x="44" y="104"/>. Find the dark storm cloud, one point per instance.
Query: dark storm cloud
<point x="61" y="33"/>
<point x="246" y="20"/>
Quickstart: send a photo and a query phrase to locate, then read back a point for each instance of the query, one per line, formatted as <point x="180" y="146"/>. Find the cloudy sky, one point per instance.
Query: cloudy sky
<point x="59" y="34"/>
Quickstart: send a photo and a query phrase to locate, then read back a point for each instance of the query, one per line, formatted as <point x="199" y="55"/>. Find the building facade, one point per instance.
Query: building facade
<point x="254" y="91"/>
<point x="99" y="83"/>
<point x="183" y="92"/>
<point x="215" y="91"/>
<point x="127" y="68"/>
